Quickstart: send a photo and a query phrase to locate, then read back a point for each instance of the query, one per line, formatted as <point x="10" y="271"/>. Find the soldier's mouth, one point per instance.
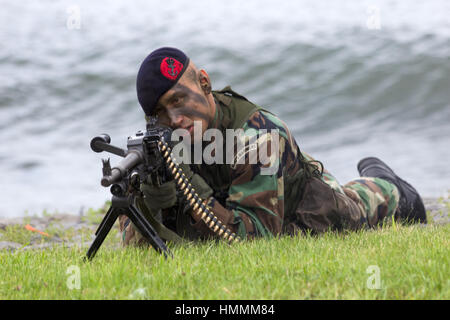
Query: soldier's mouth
<point x="187" y="130"/>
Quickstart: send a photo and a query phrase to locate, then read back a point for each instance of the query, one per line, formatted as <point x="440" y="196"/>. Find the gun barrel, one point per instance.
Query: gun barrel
<point x="131" y="160"/>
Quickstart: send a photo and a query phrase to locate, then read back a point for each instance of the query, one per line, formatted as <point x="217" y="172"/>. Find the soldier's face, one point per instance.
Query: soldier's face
<point x="185" y="104"/>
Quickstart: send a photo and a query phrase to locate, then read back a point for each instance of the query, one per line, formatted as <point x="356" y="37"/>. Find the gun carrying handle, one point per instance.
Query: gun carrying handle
<point x="102" y="143"/>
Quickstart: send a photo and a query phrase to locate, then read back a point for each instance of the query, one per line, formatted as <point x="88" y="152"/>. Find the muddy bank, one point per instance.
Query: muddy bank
<point x="27" y="233"/>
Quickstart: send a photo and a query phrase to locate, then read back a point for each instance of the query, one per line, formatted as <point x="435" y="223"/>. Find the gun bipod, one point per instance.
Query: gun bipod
<point x="123" y="206"/>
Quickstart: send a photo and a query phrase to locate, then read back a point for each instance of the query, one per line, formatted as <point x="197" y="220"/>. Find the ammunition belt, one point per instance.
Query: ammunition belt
<point x="199" y="206"/>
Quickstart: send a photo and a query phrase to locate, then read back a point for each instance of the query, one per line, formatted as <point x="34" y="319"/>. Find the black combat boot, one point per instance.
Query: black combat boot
<point x="410" y="207"/>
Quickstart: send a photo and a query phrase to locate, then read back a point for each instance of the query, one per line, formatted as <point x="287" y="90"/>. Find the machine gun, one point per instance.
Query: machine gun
<point x="142" y="161"/>
<point x="148" y="157"/>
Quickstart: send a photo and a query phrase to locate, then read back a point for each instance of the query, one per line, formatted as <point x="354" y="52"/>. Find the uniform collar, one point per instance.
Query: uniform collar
<point x="221" y="120"/>
<point x="215" y="121"/>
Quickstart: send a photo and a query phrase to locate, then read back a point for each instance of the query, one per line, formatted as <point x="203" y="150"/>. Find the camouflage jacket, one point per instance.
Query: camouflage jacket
<point x="248" y="197"/>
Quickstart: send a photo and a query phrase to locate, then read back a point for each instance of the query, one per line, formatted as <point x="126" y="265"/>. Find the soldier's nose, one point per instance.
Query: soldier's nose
<point x="176" y="120"/>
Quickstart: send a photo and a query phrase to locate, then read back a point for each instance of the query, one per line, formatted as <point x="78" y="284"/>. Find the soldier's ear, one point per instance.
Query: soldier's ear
<point x="205" y="82"/>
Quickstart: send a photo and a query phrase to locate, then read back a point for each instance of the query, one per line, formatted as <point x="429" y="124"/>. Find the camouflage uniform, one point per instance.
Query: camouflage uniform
<point x="299" y="196"/>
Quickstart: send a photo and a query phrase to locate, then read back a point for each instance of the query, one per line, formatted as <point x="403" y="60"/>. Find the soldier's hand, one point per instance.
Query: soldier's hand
<point x="159" y="197"/>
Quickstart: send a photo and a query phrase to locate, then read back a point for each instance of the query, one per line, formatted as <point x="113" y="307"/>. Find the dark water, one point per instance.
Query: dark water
<point x="350" y="78"/>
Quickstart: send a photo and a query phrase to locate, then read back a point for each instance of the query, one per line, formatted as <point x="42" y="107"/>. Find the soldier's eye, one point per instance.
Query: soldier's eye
<point x="177" y="100"/>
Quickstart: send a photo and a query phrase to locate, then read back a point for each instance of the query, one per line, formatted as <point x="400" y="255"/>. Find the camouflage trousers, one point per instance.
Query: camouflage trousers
<point x="376" y="198"/>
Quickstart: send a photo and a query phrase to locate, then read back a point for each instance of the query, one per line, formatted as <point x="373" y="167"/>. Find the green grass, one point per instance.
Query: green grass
<point x="413" y="263"/>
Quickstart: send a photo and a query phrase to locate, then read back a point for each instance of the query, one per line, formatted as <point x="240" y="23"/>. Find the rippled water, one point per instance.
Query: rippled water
<point x="350" y="78"/>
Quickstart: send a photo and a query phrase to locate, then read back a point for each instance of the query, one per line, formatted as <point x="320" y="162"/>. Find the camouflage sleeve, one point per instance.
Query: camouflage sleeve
<point x="255" y="203"/>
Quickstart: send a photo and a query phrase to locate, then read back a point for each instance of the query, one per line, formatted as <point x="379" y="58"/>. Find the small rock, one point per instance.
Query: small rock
<point x="41" y="246"/>
<point x="78" y="244"/>
<point x="56" y="239"/>
<point x="36" y="238"/>
<point x="8" y="222"/>
<point x="8" y="245"/>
